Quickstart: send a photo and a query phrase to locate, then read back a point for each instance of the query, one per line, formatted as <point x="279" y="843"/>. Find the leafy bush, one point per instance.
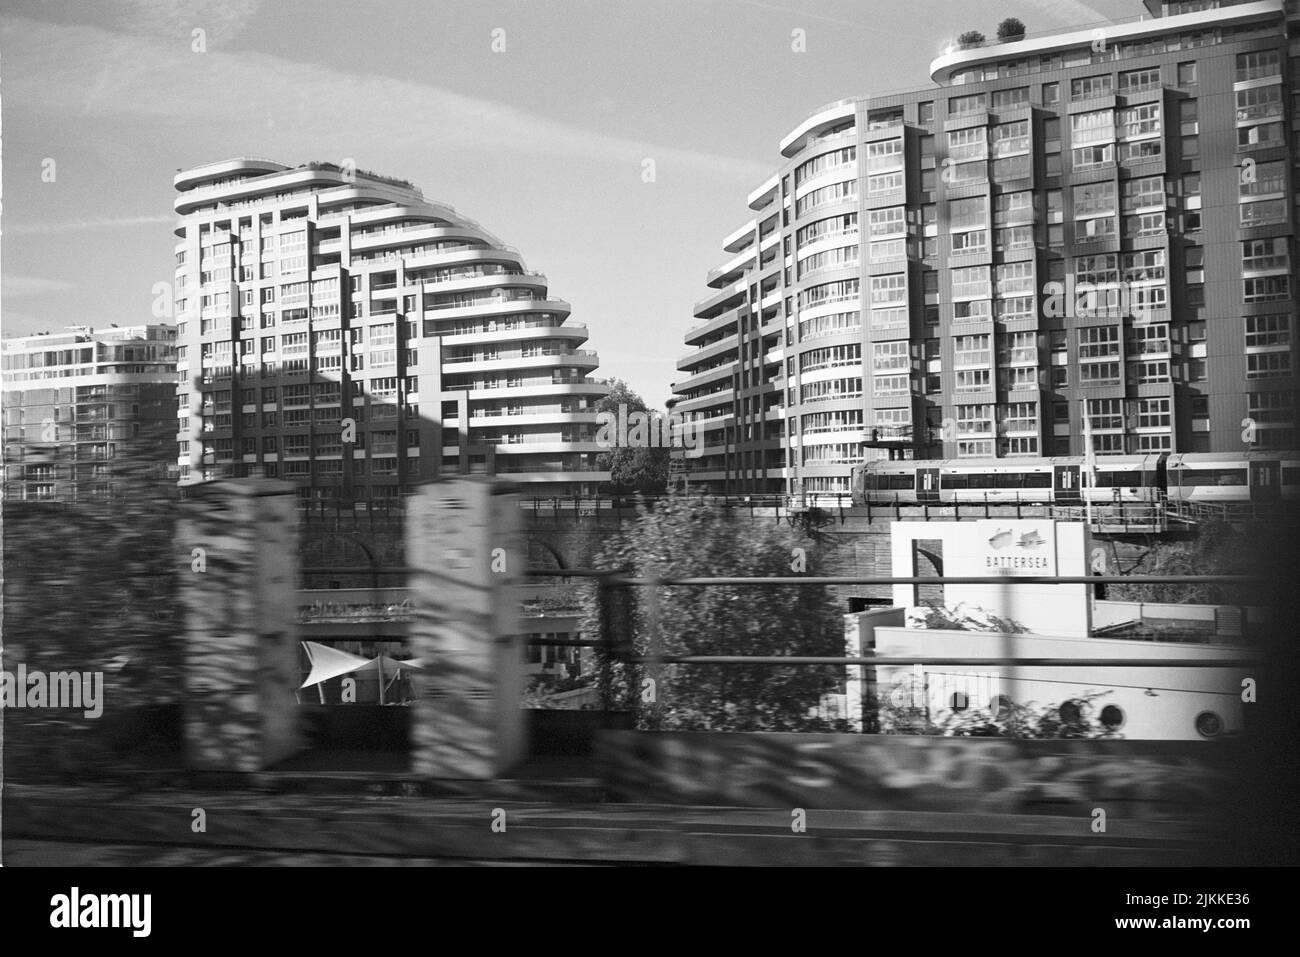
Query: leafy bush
<point x="1011" y="29"/>
<point x="971" y="38"/>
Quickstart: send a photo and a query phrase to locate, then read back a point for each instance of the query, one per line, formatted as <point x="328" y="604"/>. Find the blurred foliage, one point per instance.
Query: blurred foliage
<point x="683" y="537"/>
<point x="91" y="585"/>
<point x="965" y="617"/>
<point x="1011" y="721"/>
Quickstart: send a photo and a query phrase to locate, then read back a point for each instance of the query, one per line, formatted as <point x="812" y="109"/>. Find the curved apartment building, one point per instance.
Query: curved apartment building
<point x="340" y="331"/>
<point x="1097" y="223"/>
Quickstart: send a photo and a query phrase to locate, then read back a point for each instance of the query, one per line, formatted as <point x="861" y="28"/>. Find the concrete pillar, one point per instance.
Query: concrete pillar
<point x="464" y="547"/>
<point x="238" y="544"/>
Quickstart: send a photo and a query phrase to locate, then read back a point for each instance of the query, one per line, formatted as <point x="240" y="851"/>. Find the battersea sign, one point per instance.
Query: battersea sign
<point x="1022" y="548"/>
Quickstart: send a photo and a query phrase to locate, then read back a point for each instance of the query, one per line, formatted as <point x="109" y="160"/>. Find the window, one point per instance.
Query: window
<point x="968" y="144"/>
<point x="1051" y="94"/>
<point x="836" y="192"/>
<point x="974" y="380"/>
<point x="966" y="105"/>
<point x="1266" y="288"/>
<point x="1268" y="332"/>
<point x="974" y="420"/>
<point x="1138" y="81"/>
<point x="1099" y="350"/>
<point x="826" y="161"/>
<point x="1139" y="122"/>
<point x="1010" y="99"/>
<point x="971" y="283"/>
<point x="1187" y="74"/>
<point x="885" y="155"/>
<point x="890" y="221"/>
<point x="1262" y="365"/>
<point x="1265" y="255"/>
<point x="1258" y="64"/>
<point x="1087" y="87"/>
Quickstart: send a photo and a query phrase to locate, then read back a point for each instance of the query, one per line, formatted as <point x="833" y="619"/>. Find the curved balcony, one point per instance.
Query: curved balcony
<point x="584" y="358"/>
<point x="708" y="376"/>
<point x="820" y="121"/>
<point x="943" y="67"/>
<point x="190" y="178"/>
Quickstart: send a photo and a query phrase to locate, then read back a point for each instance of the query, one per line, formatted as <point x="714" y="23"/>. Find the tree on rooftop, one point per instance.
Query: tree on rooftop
<point x="1011" y="29"/>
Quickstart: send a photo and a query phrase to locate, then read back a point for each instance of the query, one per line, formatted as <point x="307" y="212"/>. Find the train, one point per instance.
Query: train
<point x="1156" y="478"/>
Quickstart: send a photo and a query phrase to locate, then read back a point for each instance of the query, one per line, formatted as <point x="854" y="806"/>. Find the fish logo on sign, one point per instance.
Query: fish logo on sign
<point x="1031" y="540"/>
<point x="1001" y="538"/>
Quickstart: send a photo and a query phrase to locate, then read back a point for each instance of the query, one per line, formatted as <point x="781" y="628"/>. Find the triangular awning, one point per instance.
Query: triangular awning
<point x="327" y="663"/>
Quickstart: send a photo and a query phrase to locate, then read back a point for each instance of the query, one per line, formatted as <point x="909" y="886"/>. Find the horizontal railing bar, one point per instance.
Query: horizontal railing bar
<point x="614" y="578"/>
<point x="950" y="580"/>
<point x="967" y="662"/>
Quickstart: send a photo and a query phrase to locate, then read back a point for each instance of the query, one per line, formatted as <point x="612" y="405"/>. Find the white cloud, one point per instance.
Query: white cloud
<point x="73" y="226"/>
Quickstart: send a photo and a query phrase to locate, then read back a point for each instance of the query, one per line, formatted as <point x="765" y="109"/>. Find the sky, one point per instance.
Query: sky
<point x="542" y="140"/>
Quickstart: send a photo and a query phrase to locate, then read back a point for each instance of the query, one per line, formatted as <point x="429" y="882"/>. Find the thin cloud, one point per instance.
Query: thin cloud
<point x="75" y="226"/>
<point x="1070" y="11"/>
<point x="15" y="287"/>
<point x="892" y="28"/>
<point x="163" y="81"/>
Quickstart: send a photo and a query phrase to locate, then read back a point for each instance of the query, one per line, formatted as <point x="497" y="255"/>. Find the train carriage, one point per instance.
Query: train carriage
<point x="1118" y="479"/>
<point x="1228" y="477"/>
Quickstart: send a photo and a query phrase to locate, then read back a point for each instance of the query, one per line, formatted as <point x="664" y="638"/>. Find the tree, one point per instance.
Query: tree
<point x="688" y="538"/>
<point x="632" y="468"/>
<point x="1011" y="29"/>
<point x="971" y="38"/>
<point x="1219" y="548"/>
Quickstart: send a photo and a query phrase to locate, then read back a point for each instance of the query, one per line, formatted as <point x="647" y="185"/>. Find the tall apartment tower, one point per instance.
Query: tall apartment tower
<point x="1101" y="219"/>
<point x="340" y="331"/>
<point x="76" y="402"/>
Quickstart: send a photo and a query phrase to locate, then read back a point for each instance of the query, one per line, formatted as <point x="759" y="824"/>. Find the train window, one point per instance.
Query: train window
<point x="953" y="480"/>
<point x="981" y="480"/>
<point x="901" y="482"/>
<point x="1230" y="477"/>
<point x="1009" y="480"/>
<point x="1038" y="480"/>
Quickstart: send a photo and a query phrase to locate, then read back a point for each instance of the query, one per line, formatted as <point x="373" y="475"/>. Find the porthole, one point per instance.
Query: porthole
<point x="1112" y="717"/>
<point x="1209" y="724"/>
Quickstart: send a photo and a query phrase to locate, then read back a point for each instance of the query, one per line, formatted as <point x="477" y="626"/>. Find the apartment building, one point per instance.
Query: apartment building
<point x="338" y="330"/>
<point x="1097" y="222"/>
<point x="76" y="402"/>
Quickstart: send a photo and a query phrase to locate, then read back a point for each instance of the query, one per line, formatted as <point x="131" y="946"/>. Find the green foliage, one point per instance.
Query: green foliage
<point x="1219" y="548"/>
<point x="631" y="470"/>
<point x="689" y="538"/>
<point x="972" y="618"/>
<point x="971" y="38"/>
<point x="1011" y="29"/>
<point x="1012" y="721"/>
